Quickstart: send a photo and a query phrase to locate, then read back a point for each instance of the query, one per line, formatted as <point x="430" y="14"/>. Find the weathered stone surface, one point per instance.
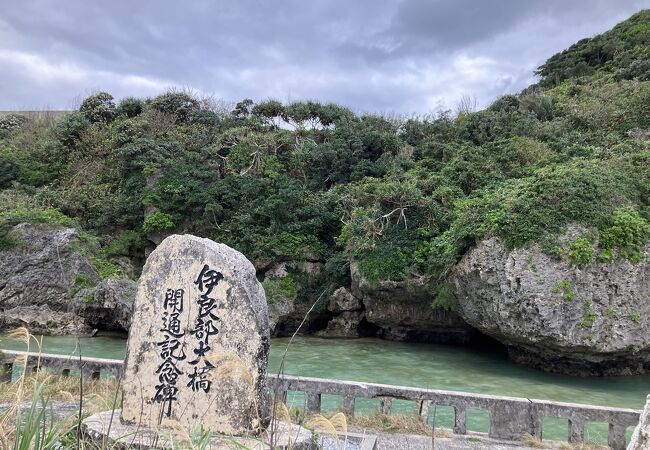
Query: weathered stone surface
<point x="286" y="314"/>
<point x="343" y="325"/>
<point x="277" y="271"/>
<point x="38" y="279"/>
<point x="343" y="300"/>
<point x="279" y="310"/>
<point x="105" y="428"/>
<point x="403" y="311"/>
<point x="231" y="396"/>
<point x="280" y="306"/>
<point x="112" y="305"/>
<point x="555" y="316"/>
<point x="641" y="437"/>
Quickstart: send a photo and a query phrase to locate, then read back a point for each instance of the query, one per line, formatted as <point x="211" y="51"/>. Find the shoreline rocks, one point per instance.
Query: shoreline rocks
<point x="402" y="311"/>
<point x="49" y="286"/>
<point x="112" y="305"/>
<point x="39" y="278"/>
<point x="555" y="316"/>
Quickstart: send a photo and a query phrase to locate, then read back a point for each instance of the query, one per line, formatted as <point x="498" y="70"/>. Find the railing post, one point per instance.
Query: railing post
<point x="460" y="419"/>
<point x="386" y="405"/>
<point x="348" y="405"/>
<point x="313" y="402"/>
<point x="7" y="372"/>
<point x="536" y="421"/>
<point x="576" y="430"/>
<point x="616" y="438"/>
<point x="424" y="410"/>
<point x="509" y="420"/>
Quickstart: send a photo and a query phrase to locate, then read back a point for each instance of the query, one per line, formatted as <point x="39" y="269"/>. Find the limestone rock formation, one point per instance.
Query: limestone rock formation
<point x="112" y="305"/>
<point x="280" y="304"/>
<point x="403" y="311"/>
<point x="342" y="300"/>
<point x="48" y="285"/>
<point x="347" y="311"/>
<point x="198" y="346"/>
<point x="286" y="312"/>
<point x="555" y="316"/>
<point x="344" y="325"/>
<point x="38" y="280"/>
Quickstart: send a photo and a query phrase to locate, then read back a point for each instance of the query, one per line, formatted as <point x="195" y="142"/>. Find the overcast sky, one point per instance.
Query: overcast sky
<point x="371" y="55"/>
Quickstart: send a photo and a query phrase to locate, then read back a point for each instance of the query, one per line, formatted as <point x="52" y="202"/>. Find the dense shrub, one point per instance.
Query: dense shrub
<point x="177" y="104"/>
<point x="157" y="221"/>
<point x="130" y="107"/>
<point x="98" y="108"/>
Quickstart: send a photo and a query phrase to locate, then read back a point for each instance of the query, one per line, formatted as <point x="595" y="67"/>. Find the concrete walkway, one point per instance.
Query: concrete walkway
<point x="471" y="441"/>
<point x="418" y="442"/>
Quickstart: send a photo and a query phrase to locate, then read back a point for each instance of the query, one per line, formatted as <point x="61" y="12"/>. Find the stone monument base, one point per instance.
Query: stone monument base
<point x="107" y="428"/>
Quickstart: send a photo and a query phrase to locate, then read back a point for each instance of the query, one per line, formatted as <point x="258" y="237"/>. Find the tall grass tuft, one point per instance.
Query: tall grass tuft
<point x="330" y="427"/>
<point x="34" y="428"/>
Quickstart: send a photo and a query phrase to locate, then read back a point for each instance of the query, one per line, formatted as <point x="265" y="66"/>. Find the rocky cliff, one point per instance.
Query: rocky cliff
<point x="555" y="316"/>
<point x="402" y="311"/>
<point x="398" y="311"/>
<point x="48" y="285"/>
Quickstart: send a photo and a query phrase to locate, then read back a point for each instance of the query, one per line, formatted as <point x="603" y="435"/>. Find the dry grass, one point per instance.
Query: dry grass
<point x="532" y="442"/>
<point x="397" y="423"/>
<point x="583" y="446"/>
<point x="25" y="422"/>
<point x="228" y="364"/>
<point x="60" y="389"/>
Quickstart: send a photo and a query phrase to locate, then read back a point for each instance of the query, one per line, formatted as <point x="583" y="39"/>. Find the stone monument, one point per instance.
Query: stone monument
<point x="199" y="340"/>
<point x="198" y="346"/>
<point x="641" y="436"/>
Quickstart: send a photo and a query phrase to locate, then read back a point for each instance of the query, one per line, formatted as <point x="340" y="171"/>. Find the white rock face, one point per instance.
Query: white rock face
<point x="38" y="278"/>
<point x="199" y="339"/>
<point x="555" y="316"/>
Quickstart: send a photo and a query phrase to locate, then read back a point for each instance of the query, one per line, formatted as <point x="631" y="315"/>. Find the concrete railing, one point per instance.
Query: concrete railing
<point x="60" y="364"/>
<point x="509" y="417"/>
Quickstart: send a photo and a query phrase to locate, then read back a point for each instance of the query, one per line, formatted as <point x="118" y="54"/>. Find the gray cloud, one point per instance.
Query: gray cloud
<point x="396" y="55"/>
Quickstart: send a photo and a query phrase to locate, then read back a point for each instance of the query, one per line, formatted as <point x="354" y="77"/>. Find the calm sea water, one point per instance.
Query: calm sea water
<point x="418" y="365"/>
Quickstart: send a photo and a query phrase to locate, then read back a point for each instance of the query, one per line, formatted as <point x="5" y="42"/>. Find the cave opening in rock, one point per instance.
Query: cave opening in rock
<point x="367" y="329"/>
<point x="487" y="344"/>
<point x="316" y="323"/>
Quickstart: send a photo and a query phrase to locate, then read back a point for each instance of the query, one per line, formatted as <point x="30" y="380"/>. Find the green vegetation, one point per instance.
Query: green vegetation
<point x="581" y="252"/>
<point x="157" y="221"/>
<point x="627" y="234"/>
<point x="305" y="181"/>
<point x="279" y="289"/>
<point x="8" y="239"/>
<point x="445" y="298"/>
<point x="612" y="312"/>
<point x="564" y="288"/>
<point x="82" y="282"/>
<point x="588" y="315"/>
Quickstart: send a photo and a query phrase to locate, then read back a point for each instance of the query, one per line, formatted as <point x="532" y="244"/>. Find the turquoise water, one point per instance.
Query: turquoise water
<point x="418" y="365"/>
